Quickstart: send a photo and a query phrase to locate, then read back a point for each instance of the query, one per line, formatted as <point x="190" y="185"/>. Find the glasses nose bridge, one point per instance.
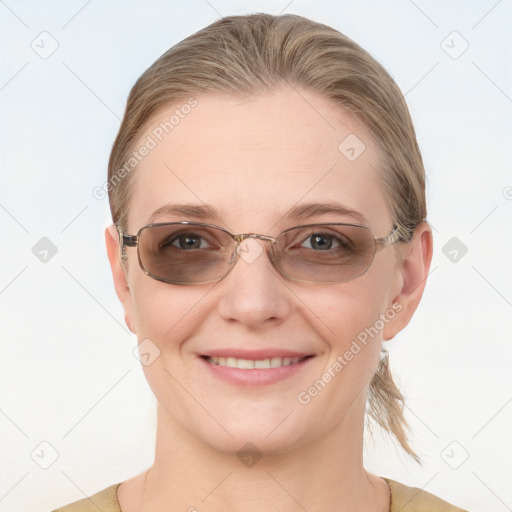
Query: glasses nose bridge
<point x="241" y="237"/>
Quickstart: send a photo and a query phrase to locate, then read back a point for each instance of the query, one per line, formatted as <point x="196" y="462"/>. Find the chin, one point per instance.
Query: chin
<point x="250" y="441"/>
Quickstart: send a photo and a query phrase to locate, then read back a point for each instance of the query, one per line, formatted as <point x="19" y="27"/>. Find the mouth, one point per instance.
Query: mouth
<point x="256" y="368"/>
<point x="252" y="364"/>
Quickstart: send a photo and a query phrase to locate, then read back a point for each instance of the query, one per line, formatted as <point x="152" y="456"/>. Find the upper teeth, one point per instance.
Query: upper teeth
<point x="250" y="364"/>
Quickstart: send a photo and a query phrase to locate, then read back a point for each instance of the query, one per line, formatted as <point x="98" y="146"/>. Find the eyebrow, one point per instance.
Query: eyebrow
<point x="299" y="212"/>
<point x="195" y="211"/>
<point x="305" y="211"/>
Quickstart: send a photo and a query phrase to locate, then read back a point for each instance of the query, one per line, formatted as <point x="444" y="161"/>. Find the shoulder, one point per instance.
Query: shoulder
<point x="403" y="499"/>
<point x="105" y="500"/>
<point x="412" y="499"/>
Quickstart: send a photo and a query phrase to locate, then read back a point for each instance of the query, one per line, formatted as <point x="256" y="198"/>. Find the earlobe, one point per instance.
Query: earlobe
<point x="414" y="272"/>
<point x="119" y="274"/>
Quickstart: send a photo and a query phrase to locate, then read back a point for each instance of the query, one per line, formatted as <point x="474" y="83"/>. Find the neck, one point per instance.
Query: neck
<point x="323" y="474"/>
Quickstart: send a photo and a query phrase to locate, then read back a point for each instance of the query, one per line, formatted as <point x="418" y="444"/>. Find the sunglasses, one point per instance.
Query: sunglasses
<point x="195" y="253"/>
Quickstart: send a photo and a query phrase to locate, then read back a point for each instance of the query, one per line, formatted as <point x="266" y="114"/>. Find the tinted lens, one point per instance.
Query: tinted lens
<point x="188" y="254"/>
<point x="326" y="253"/>
<point x="184" y="254"/>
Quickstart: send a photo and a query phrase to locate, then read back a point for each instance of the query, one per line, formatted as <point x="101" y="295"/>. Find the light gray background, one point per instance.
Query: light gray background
<point x="68" y="374"/>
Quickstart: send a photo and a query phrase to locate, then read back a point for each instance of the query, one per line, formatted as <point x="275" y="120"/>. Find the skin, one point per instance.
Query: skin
<point x="253" y="160"/>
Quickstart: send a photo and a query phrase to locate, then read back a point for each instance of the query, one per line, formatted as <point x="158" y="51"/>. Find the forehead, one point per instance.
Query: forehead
<point x="254" y="159"/>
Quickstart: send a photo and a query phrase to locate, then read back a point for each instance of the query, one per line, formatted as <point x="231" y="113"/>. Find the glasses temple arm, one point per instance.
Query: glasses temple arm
<point x="128" y="240"/>
<point x="393" y="237"/>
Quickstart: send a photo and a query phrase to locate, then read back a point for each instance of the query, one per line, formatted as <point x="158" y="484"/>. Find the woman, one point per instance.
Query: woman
<point x="268" y="200"/>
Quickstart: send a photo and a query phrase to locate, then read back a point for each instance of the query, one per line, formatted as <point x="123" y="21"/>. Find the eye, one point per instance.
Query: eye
<point x="324" y="242"/>
<point x="186" y="241"/>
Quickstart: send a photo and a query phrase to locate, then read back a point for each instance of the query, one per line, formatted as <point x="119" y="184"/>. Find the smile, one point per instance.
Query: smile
<point x="256" y="368"/>
<point x="251" y="364"/>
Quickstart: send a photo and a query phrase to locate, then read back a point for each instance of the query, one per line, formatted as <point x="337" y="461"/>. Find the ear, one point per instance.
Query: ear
<point x="414" y="266"/>
<point x="119" y="274"/>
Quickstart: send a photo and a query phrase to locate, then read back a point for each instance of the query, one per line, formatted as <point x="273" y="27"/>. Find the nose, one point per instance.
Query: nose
<point x="254" y="292"/>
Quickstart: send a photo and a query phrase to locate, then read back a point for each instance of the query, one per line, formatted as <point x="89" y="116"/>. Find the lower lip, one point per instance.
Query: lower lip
<point x="255" y="377"/>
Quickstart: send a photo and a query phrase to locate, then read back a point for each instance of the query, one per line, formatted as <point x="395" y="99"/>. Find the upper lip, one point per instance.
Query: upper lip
<point x="262" y="353"/>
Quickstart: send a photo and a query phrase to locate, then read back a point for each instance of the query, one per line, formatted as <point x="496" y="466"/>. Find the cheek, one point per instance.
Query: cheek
<point x="344" y="311"/>
<point x="167" y="314"/>
<point x="348" y="317"/>
<point x="351" y="322"/>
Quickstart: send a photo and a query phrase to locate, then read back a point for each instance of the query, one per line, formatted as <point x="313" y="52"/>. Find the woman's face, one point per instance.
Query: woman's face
<point x="253" y="160"/>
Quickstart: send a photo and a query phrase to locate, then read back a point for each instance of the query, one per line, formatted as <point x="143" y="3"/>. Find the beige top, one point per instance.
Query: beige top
<point x="403" y="499"/>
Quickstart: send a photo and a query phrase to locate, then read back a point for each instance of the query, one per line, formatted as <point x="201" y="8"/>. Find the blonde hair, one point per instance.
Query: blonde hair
<point x="245" y="55"/>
